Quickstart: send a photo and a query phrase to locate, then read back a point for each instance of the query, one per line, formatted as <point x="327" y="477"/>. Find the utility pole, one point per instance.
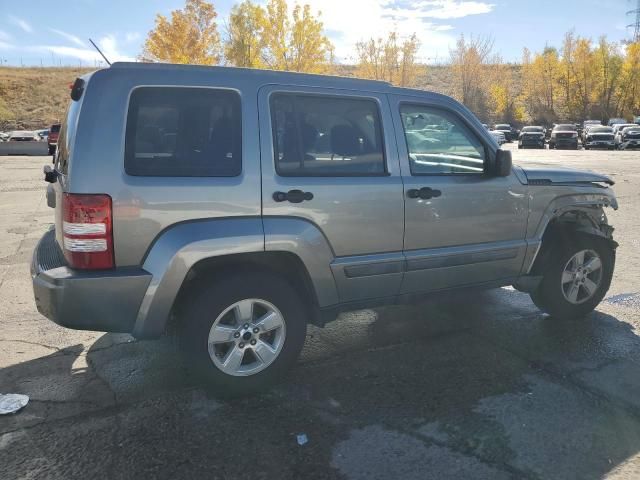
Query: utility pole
<point x="636" y="24"/>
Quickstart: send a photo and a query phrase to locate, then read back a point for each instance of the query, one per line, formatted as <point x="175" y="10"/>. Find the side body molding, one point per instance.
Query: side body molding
<point x="180" y="247"/>
<point x="306" y="241"/>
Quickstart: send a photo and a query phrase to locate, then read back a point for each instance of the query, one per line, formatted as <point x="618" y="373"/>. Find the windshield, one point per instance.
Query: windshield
<point x="503" y="127"/>
<point x="601" y="130"/>
<point x="565" y="127"/>
<point x="533" y="129"/>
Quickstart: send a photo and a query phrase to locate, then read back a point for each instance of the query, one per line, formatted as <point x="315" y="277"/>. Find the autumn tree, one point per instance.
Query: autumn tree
<point x="389" y="59"/>
<point x="190" y="36"/>
<point x="244" y="45"/>
<point x="539" y="84"/>
<point x="608" y="63"/>
<point x="628" y="102"/>
<point x="469" y="61"/>
<point x="503" y="96"/>
<point x="294" y="42"/>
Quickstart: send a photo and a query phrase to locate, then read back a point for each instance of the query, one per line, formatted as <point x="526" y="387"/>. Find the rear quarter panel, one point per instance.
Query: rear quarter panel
<point x="145" y="206"/>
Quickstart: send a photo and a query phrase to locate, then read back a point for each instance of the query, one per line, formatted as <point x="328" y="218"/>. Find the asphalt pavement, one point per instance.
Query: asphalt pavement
<point x="473" y="386"/>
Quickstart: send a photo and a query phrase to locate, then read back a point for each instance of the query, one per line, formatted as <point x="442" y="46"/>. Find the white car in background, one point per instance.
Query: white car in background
<point x="617" y="132"/>
<point x="629" y="138"/>
<point x="498" y="136"/>
<point x="23" y="136"/>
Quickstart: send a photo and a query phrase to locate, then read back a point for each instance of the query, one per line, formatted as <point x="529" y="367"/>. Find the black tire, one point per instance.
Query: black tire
<point x="549" y="296"/>
<point x="209" y="301"/>
<point x="586" y="147"/>
<point x="551" y="146"/>
<point x="52" y="149"/>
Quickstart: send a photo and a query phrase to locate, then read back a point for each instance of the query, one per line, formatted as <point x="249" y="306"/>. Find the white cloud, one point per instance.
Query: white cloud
<point x="4" y="36"/>
<point x="5" y="46"/>
<point x="348" y="22"/>
<point x="444" y="9"/>
<point x="108" y="44"/>
<point x="21" y="23"/>
<point x="132" y="37"/>
<point x="68" y="36"/>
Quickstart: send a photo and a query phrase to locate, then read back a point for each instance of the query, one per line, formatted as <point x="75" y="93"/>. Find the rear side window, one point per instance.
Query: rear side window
<point x="326" y="136"/>
<point x="183" y="132"/>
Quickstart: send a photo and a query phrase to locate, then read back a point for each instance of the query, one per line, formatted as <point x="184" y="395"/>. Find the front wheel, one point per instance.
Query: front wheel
<point x="243" y="333"/>
<point x="576" y="274"/>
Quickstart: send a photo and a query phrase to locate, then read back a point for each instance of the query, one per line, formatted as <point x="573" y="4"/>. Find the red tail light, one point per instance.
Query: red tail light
<point x="87" y="231"/>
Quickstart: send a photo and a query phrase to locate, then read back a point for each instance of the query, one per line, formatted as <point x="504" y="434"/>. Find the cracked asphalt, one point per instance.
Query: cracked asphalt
<point x="476" y="386"/>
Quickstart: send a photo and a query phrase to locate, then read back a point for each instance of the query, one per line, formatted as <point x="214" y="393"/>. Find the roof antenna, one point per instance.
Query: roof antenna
<point x="100" y="52"/>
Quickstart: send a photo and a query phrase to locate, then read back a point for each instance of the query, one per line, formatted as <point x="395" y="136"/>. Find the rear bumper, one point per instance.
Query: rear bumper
<point x="106" y="301"/>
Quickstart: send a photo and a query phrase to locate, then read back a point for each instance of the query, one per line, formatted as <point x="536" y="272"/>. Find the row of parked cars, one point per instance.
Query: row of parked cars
<point x="49" y="135"/>
<point x="617" y="135"/>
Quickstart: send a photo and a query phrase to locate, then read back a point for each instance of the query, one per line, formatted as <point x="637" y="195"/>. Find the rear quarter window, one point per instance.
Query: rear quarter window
<point x="183" y="132"/>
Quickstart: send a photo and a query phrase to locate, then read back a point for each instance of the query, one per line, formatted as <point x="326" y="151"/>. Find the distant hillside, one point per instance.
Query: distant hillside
<point x="37" y="97"/>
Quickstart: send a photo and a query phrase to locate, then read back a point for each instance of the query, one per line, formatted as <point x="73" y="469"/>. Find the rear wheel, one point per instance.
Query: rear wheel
<point x="52" y="149"/>
<point x="243" y="333"/>
<point x="576" y="274"/>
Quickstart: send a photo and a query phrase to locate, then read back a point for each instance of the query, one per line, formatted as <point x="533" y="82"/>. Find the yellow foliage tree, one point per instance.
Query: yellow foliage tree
<point x="294" y="42"/>
<point x="244" y="45"/>
<point x="388" y="60"/>
<point x="469" y="62"/>
<point x="190" y="36"/>
<point x="629" y="89"/>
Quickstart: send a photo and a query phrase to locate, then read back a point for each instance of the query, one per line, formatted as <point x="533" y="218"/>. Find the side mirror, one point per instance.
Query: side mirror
<point x="503" y="163"/>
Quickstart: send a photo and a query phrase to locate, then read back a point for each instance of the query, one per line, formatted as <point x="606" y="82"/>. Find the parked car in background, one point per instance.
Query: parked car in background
<point x="629" y="138"/>
<point x="531" y="136"/>
<point x="599" y="137"/>
<point x="636" y="120"/>
<point x="43" y="134"/>
<point x="499" y="136"/>
<point x="23" y="136"/>
<point x="4" y="136"/>
<point x="617" y="129"/>
<point x="510" y="132"/>
<point x="259" y="202"/>
<point x="54" y="131"/>
<point x="564" y="135"/>
<point x="615" y="121"/>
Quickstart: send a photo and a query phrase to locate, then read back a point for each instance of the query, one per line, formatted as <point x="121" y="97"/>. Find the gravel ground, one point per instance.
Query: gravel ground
<point x="479" y="387"/>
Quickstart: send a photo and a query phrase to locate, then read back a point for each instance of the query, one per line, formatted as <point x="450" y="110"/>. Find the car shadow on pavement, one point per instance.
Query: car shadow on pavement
<point x="480" y="386"/>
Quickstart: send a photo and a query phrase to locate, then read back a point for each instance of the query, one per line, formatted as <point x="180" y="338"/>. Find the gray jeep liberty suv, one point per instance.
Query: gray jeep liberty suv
<point x="236" y="206"/>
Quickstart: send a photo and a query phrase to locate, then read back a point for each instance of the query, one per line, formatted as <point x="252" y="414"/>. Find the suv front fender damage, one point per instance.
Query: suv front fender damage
<point x="579" y="211"/>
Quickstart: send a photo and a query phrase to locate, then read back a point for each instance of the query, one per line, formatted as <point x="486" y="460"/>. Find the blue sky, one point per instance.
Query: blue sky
<point x="34" y="31"/>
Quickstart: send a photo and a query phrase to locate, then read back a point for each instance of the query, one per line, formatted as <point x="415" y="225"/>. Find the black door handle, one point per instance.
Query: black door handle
<point x="293" y="196"/>
<point x="425" y="193"/>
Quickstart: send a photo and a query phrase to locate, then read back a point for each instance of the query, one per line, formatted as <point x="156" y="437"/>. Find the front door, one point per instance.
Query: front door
<point x="327" y="160"/>
<point x="463" y="225"/>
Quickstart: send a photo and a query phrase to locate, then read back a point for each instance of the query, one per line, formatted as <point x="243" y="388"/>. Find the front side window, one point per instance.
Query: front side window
<point x="439" y="143"/>
<point x="183" y="132"/>
<point x="326" y="136"/>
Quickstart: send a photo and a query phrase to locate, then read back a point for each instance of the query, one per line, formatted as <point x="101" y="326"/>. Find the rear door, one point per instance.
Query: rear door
<point x="329" y="159"/>
<point x="463" y="226"/>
